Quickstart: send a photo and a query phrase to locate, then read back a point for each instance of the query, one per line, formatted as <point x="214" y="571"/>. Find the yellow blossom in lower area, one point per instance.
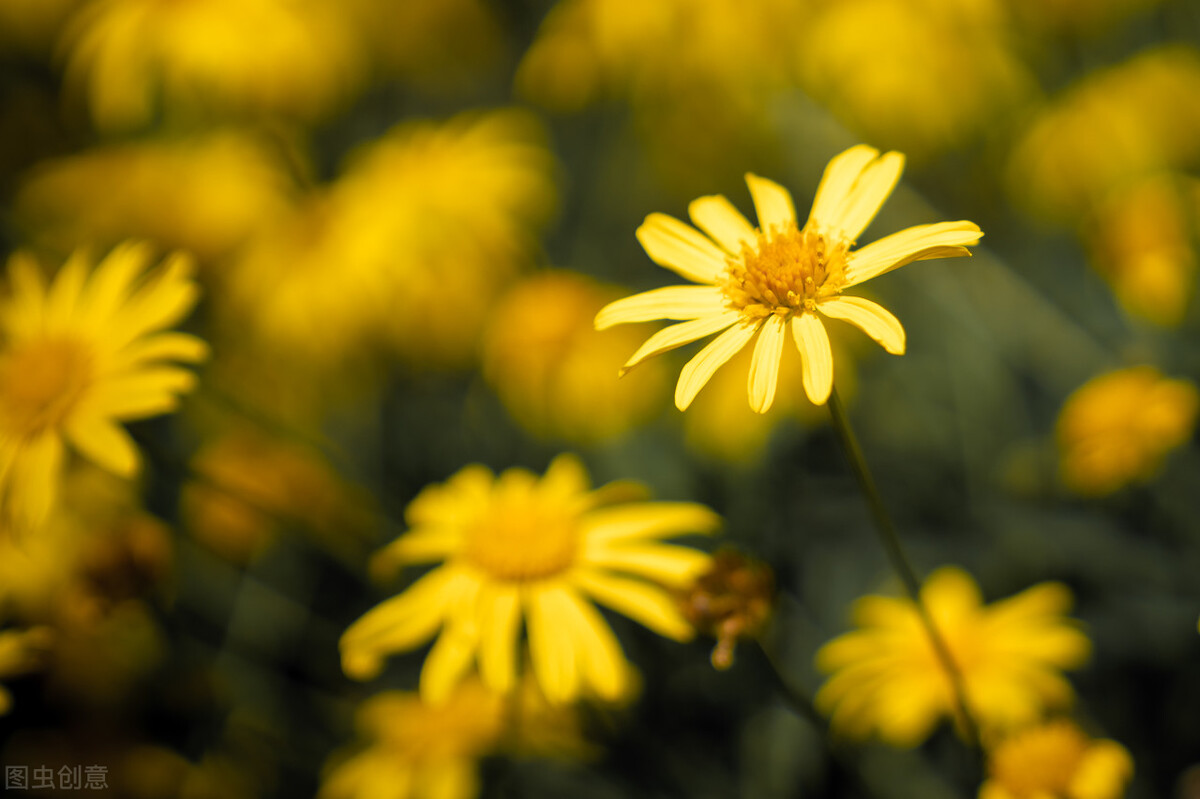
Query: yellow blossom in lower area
<point x="414" y="750"/>
<point x="554" y="372"/>
<point x="887" y="680"/>
<point x="518" y="547"/>
<point x="21" y="652"/>
<point x="1118" y="428"/>
<point x="1056" y="759"/>
<point x="759" y="283"/>
<point x="79" y="357"/>
<point x="1141" y="243"/>
<point x="131" y="59"/>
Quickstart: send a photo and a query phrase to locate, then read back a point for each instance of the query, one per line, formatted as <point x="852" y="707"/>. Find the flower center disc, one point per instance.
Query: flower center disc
<point x="40" y="382"/>
<point x="522" y="541"/>
<point x="786" y="272"/>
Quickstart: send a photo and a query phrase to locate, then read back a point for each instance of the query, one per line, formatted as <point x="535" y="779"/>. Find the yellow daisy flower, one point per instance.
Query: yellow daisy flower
<point x="78" y="358"/>
<point x="887" y="678"/>
<point x="1056" y="759"/>
<point x="764" y="280"/>
<point x="1119" y="427"/>
<point x="518" y="547"/>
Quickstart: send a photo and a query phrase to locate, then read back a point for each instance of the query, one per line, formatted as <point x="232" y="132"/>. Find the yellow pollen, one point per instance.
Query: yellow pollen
<point x="522" y="540"/>
<point x="1041" y="761"/>
<point x="40" y="383"/>
<point x="785" y="272"/>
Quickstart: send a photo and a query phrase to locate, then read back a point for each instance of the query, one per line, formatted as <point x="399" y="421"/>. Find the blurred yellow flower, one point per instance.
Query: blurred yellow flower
<point x="1117" y="428"/>
<point x="515" y="547"/>
<point x="78" y="358"/>
<point x="21" y="652"/>
<point x="133" y="59"/>
<point x="250" y="486"/>
<point x="1057" y="759"/>
<point x="887" y="679"/>
<point x="653" y="51"/>
<point x="1141" y="243"/>
<point x="766" y="279"/>
<point x="414" y="750"/>
<point x="205" y="194"/>
<point x="917" y="75"/>
<point x="1111" y="128"/>
<point x="552" y="370"/>
<point x="427" y="212"/>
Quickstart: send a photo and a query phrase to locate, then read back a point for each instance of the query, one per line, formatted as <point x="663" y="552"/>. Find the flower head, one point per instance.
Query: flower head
<point x="78" y="358"/>
<point x="761" y="281"/>
<point x="519" y="547"/>
<point x="887" y="678"/>
<point x="1117" y="428"/>
<point x="1058" y="759"/>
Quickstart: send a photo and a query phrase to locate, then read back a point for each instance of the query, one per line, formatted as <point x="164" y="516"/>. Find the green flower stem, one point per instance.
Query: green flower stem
<point x="900" y="562"/>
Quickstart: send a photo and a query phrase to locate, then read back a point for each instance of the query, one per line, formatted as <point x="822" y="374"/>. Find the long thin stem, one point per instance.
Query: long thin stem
<point x="900" y="562"/>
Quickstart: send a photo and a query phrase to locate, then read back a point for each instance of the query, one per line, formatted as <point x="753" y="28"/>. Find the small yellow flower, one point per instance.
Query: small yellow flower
<point x="761" y="281"/>
<point x="1117" y="428"/>
<point x="78" y="358"/>
<point x="1056" y="759"/>
<point x="515" y="547"/>
<point x="888" y="680"/>
<point x="415" y="750"/>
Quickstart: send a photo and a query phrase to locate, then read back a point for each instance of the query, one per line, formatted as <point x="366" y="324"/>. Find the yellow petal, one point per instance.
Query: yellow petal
<point x="1103" y="771"/>
<point x="500" y="624"/>
<point x="105" y="443"/>
<point x="772" y="203"/>
<point x="699" y="369"/>
<point x="717" y="217"/>
<point x="63" y="299"/>
<point x="647" y="520"/>
<point x="163" y="347"/>
<point x="446" y="664"/>
<point x="816" y="356"/>
<point x="644" y="603"/>
<point x="669" y="302"/>
<point x="867" y="195"/>
<point x="872" y="318"/>
<point x="669" y="565"/>
<point x="939" y="240"/>
<point x="550" y="645"/>
<point x="407" y="619"/>
<point x="764" y="367"/>
<point x="597" y="651"/>
<point x="677" y="335"/>
<point x="111" y="282"/>
<point x="681" y="248"/>
<point x="837" y="185"/>
<point x="162" y="302"/>
<point x="35" y="481"/>
<point x="419" y="545"/>
<point x="142" y="393"/>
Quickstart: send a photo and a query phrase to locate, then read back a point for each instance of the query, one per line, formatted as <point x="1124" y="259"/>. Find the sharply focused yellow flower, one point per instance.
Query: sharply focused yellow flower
<point x="763" y="281"/>
<point x="1117" y="428"/>
<point x="1056" y="759"/>
<point x="887" y="679"/>
<point x="78" y="358"/>
<point x="414" y="750"/>
<point x="518" y="547"/>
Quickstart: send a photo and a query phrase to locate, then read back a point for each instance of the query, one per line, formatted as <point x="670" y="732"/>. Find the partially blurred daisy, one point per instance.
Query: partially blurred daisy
<point x="1056" y="759"/>
<point x="81" y="356"/>
<point x="888" y="680"/>
<point x="763" y="281"/>
<point x="519" y="547"/>
<point x="1118" y="428"/>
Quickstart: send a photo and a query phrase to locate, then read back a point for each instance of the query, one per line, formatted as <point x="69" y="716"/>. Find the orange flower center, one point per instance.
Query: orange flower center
<point x="523" y="540"/>
<point x="40" y="383"/>
<point x="786" y="272"/>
